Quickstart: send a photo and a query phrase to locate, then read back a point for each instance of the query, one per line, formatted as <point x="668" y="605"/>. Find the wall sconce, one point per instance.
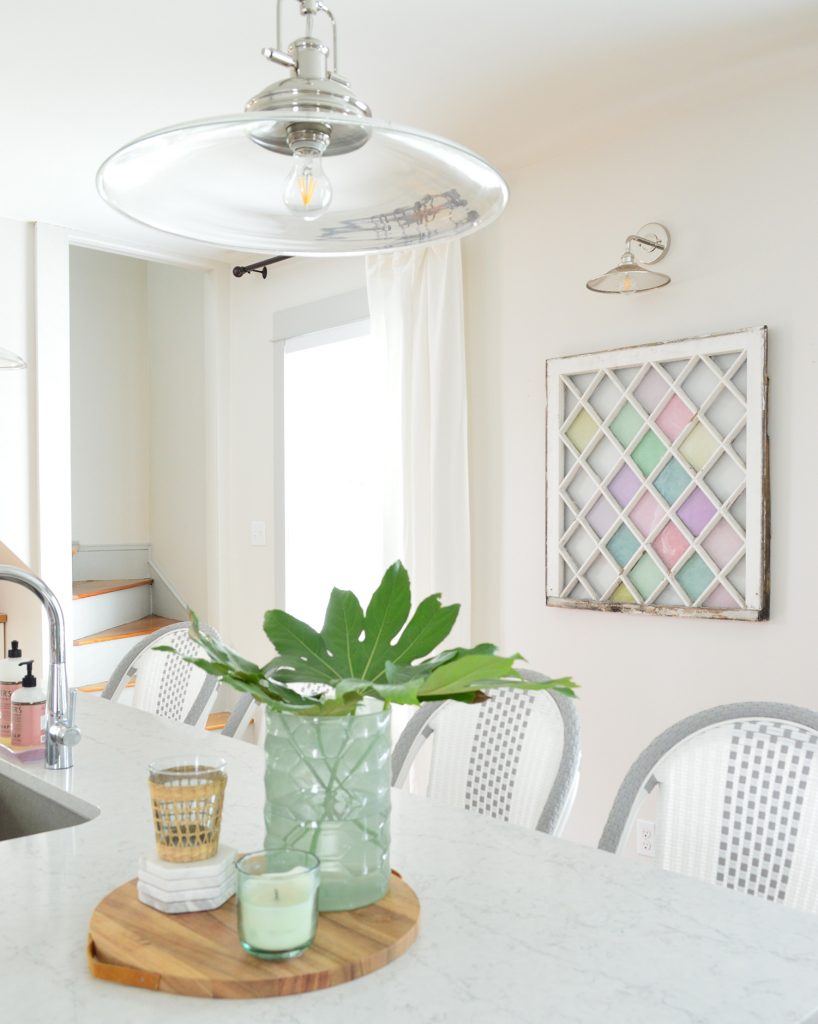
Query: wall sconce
<point x="9" y="361"/>
<point x="652" y="243"/>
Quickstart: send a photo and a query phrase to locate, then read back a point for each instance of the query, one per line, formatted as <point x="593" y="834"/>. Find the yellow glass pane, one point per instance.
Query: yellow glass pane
<point x="581" y="431"/>
<point x="698" y="446"/>
<point x="622" y="595"/>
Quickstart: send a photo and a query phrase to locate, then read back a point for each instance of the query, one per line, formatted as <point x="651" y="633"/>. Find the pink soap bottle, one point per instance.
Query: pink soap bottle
<point x="11" y="675"/>
<point x="28" y="713"/>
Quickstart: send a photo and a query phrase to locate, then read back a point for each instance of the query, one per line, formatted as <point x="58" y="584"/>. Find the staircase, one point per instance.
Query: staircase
<point x="109" y="618"/>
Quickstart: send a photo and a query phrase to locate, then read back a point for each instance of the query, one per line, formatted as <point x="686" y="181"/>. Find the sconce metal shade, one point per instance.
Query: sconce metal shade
<point x="652" y="242"/>
<point x="10" y="361"/>
<point x="628" y="277"/>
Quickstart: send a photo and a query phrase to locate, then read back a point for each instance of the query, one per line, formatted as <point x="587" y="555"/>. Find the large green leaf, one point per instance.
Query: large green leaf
<point x="294" y="639"/>
<point x="343" y="625"/>
<point x="387" y="611"/>
<point x="469" y="672"/>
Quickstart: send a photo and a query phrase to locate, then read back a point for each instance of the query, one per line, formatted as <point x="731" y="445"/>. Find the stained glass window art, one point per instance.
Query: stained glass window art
<point x="656" y="469"/>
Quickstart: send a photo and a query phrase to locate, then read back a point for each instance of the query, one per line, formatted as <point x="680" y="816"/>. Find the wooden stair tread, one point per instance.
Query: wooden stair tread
<point x="95" y="588"/>
<point x="139" y="627"/>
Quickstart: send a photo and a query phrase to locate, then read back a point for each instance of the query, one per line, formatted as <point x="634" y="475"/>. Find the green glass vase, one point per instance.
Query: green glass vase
<point x="327" y="792"/>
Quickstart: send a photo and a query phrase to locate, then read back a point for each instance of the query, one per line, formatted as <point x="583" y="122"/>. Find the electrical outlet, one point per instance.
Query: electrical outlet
<point x="646" y="838"/>
<point x="258" y="533"/>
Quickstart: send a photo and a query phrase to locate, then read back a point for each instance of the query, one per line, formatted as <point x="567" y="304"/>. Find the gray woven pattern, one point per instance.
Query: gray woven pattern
<point x="495" y="754"/>
<point x="176" y="678"/>
<point x="764" y="795"/>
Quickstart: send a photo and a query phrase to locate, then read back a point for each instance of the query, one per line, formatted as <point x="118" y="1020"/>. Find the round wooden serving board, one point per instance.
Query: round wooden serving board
<point x="199" y="954"/>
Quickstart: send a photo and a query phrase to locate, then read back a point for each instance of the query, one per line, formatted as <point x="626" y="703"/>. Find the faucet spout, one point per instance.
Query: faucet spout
<point x="61" y="733"/>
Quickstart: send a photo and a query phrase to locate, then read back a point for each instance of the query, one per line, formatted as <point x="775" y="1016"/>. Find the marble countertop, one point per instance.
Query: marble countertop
<point x="516" y="927"/>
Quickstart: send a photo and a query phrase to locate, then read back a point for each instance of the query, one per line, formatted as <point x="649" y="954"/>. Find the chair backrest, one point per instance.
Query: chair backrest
<point x="166" y="685"/>
<point x="515" y="757"/>
<point x="734" y="794"/>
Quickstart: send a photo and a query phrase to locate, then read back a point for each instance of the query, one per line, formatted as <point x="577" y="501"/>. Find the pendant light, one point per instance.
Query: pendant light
<point x="10" y="361"/>
<point x="629" y="276"/>
<point x="305" y="170"/>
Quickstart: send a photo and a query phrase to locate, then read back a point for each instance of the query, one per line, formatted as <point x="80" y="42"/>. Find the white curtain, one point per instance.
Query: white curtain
<point x="416" y="306"/>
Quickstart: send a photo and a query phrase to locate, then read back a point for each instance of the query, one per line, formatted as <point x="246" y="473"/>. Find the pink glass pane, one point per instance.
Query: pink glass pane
<point x="697" y="511"/>
<point x="624" y="485"/>
<point x="722" y="543"/>
<point x="646" y="514"/>
<point x="674" y="418"/>
<point x="670" y="545"/>
<point x="601" y="516"/>
<point x="719" y="598"/>
<point x="650" y="389"/>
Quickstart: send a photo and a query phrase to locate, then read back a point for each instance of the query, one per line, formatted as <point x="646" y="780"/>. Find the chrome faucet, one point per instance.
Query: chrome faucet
<point x="61" y="734"/>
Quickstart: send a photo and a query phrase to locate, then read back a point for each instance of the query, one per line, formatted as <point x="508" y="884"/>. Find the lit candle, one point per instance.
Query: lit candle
<point x="278" y="909"/>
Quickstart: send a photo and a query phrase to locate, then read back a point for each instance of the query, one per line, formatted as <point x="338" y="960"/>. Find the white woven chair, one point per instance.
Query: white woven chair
<point x="515" y="757"/>
<point x="166" y="685"/>
<point x="733" y="792"/>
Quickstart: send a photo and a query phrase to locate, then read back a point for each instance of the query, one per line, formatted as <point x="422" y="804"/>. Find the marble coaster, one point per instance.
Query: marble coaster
<point x="202" y="874"/>
<point x="180" y="906"/>
<point x="192" y="892"/>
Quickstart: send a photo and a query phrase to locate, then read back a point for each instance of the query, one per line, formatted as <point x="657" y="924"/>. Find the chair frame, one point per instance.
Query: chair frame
<point x="563" y="791"/>
<point x="121" y="673"/>
<point x="640" y="776"/>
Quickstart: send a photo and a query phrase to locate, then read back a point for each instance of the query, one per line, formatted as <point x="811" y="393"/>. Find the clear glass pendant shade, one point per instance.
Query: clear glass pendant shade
<point x="628" y="277"/>
<point x="215" y="181"/>
<point x="10" y="361"/>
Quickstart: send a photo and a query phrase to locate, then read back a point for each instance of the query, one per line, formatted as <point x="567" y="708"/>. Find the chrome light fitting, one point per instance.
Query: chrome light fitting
<point x="10" y="361"/>
<point x="652" y="243"/>
<point x="305" y="170"/>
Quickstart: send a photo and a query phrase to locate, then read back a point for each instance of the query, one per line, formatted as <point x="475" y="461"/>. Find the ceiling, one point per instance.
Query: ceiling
<point x="514" y="82"/>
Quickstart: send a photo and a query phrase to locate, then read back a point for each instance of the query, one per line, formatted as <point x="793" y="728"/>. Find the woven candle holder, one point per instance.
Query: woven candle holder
<point x="187" y="797"/>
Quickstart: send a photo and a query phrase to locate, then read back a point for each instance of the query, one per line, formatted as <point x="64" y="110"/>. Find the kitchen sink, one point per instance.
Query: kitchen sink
<point x="29" y="806"/>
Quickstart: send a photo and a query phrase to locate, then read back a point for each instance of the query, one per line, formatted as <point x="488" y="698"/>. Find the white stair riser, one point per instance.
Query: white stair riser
<point x="94" y="663"/>
<point x="114" y="562"/>
<point x="94" y="614"/>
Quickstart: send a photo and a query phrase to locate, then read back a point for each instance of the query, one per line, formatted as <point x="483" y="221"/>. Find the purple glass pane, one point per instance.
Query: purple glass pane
<point x="601" y="516"/>
<point x="624" y="485"/>
<point x="697" y="511"/>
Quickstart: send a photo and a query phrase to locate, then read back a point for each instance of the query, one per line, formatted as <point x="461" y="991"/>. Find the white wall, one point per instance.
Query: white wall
<point x="177" y="416"/>
<point x="110" y="411"/>
<point x="732" y="173"/>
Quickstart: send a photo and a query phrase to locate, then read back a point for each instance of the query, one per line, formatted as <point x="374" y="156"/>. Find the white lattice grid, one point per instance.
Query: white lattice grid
<point x="736" y="363"/>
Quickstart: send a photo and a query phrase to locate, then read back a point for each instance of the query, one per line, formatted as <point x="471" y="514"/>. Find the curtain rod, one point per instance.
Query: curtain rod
<point x="260" y="267"/>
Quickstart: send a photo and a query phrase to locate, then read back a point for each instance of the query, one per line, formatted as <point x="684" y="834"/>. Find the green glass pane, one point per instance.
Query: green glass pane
<point x="622" y="595"/>
<point x="646" y="576"/>
<point x="694" y="576"/>
<point x="581" y="431"/>
<point x="698" y="446"/>
<point x="672" y="481"/>
<point x="648" y="452"/>
<point x="623" y="545"/>
<point x="626" y="424"/>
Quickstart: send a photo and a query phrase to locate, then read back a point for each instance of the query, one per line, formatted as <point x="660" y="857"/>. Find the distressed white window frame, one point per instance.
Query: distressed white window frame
<point x="751" y="344"/>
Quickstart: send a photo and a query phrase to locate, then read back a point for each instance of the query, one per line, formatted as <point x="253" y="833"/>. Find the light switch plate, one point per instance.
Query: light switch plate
<point x="258" y="533"/>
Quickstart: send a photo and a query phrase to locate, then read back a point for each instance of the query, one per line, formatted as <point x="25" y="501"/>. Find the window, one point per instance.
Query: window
<point x="335" y="450"/>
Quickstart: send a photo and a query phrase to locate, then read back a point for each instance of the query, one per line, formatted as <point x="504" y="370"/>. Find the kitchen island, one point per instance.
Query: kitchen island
<point x="516" y="926"/>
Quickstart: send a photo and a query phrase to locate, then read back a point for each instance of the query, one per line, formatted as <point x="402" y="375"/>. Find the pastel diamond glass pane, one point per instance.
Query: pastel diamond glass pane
<point x="603" y="458"/>
<point x="581" y="381"/>
<point x="698" y="447"/>
<point x="694" y="576"/>
<point x="600" y="575"/>
<point x="725" y="412"/>
<point x="579" y="593"/>
<point x="622" y="595"/>
<point x="646" y="576"/>
<point x="623" y="545"/>
<point x="626" y="374"/>
<point x="581" y="431"/>
<point x="604" y="398"/>
<point x="724" y="477"/>
<point x="740" y="445"/>
<point x="624" y="485"/>
<point x="669" y="599"/>
<point x="626" y="424"/>
<point x="699" y="384"/>
<point x="738" y="510"/>
<point x="601" y="516"/>
<point x="722" y="543"/>
<point x="670" y="544"/>
<point x="672" y="481"/>
<point x="725" y="360"/>
<point x="581" y="488"/>
<point x="650" y="389"/>
<point x="646" y="514"/>
<point x="675" y="367"/>
<point x="579" y="546"/>
<point x="696" y="511"/>
<point x="738" y="576"/>
<point x="719" y="598"/>
<point x="674" y="418"/>
<point x="648" y="453"/>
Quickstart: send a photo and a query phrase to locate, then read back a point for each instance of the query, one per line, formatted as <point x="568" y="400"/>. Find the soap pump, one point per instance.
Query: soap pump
<point x="28" y="717"/>
<point x="11" y="676"/>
